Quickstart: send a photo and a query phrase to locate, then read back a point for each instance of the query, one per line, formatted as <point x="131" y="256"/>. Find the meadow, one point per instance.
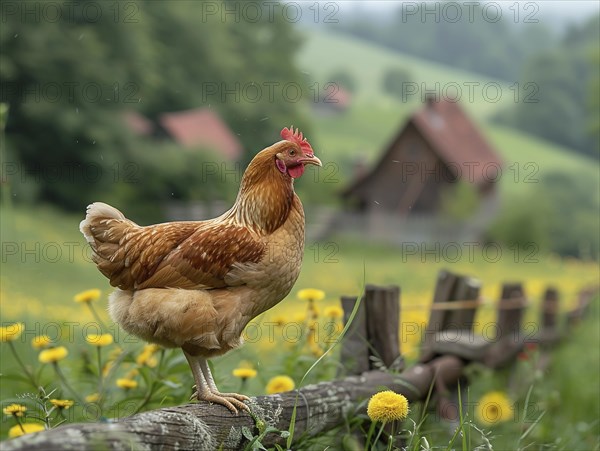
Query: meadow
<point x="45" y="264"/>
<point x="50" y="266"/>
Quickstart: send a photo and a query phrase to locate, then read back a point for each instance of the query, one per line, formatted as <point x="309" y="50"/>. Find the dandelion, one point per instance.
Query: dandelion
<point x="87" y="296"/>
<point x="11" y="333"/>
<point x="41" y="342"/>
<point x="22" y="429"/>
<point x="62" y="403"/>
<point x="8" y="334"/>
<point x="387" y="406"/>
<point x="334" y="312"/>
<point x="126" y="383"/>
<point x="383" y="407"/>
<point x="16" y="410"/>
<point x="311" y="294"/>
<point x="316" y="350"/>
<point x="53" y="355"/>
<point x="280" y="384"/>
<point x="99" y="340"/>
<point x="244" y="373"/>
<point x="93" y="397"/>
<point x="146" y="357"/>
<point x="280" y="320"/>
<point x="493" y="408"/>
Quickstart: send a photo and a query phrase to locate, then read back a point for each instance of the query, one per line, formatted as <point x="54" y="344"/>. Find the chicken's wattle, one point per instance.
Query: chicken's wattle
<point x="296" y="171"/>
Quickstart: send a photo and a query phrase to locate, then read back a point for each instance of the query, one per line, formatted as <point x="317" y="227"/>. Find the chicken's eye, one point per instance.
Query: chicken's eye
<point x="292" y="152"/>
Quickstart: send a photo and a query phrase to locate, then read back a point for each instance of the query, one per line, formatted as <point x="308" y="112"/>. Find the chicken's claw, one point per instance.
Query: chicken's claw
<point x="229" y="400"/>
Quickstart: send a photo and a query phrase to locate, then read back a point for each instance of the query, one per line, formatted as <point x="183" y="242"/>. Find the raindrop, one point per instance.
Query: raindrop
<point x="94" y="141"/>
<point x="16" y="35"/>
<point x="376" y="202"/>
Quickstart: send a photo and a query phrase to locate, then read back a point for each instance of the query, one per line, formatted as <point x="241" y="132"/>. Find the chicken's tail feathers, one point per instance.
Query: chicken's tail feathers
<point x="95" y="214"/>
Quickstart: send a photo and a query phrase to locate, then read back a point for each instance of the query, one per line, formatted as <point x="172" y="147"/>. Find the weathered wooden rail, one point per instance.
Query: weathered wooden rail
<point x="372" y="342"/>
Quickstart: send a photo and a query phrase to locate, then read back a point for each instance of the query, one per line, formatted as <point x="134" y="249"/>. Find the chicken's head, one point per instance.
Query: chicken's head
<point x="295" y="154"/>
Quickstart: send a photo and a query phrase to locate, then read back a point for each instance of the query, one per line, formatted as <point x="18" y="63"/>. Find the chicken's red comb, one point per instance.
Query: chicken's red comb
<point x="296" y="136"/>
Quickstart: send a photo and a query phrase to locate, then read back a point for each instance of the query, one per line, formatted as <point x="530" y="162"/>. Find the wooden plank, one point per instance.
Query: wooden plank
<point x="320" y="407"/>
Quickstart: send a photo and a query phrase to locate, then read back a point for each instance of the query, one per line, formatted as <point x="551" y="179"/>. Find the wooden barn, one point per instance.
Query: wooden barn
<point x="420" y="170"/>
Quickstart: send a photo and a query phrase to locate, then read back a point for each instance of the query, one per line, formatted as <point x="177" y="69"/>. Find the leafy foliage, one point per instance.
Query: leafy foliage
<point x="68" y="82"/>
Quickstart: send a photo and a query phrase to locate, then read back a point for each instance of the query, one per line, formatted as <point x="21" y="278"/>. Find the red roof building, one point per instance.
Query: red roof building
<point x="436" y="148"/>
<point x="202" y="128"/>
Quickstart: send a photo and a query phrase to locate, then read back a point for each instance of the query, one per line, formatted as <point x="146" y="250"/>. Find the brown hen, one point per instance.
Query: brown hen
<point x="197" y="284"/>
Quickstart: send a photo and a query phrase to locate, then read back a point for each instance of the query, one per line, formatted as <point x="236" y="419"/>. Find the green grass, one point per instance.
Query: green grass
<point x="39" y="293"/>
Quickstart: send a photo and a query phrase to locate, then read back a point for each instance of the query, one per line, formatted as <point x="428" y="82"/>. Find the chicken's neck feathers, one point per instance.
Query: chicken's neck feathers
<point x="264" y="200"/>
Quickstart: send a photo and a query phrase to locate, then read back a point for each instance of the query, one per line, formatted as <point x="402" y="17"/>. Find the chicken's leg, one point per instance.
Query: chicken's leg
<point x="204" y="388"/>
<point x="231" y="397"/>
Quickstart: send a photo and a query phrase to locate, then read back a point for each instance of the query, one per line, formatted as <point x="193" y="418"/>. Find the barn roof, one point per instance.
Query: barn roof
<point x="138" y="123"/>
<point x="201" y="127"/>
<point x="454" y="138"/>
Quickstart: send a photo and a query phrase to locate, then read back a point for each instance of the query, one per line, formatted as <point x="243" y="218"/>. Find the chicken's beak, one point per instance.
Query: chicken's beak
<point x="311" y="159"/>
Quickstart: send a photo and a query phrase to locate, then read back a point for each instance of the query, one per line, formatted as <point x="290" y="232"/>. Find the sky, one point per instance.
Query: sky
<point x="558" y="11"/>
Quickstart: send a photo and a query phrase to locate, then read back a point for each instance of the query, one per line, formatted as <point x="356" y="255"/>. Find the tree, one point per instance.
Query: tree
<point x="394" y="81"/>
<point x="68" y="81"/>
<point x="344" y="80"/>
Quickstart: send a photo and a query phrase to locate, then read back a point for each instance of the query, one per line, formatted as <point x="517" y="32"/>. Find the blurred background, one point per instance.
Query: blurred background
<point x="449" y="132"/>
<point x="461" y="135"/>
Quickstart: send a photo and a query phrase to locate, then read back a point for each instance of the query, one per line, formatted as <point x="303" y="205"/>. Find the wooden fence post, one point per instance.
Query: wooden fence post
<point x="383" y="322"/>
<point x="450" y="328"/>
<point x="509" y="340"/>
<point x="373" y="335"/>
<point x="443" y="291"/>
<point x="550" y="333"/>
<point x="354" y="355"/>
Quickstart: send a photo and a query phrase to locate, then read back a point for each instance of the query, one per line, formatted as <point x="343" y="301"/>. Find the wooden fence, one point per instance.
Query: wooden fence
<point x="372" y="342"/>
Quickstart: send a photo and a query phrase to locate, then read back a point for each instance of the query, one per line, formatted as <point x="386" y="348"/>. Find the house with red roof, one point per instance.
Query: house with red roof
<point x="199" y="128"/>
<point x="419" y="171"/>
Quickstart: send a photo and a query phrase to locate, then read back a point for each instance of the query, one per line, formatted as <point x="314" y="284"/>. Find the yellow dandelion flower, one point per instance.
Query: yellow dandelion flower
<point x="126" y="383"/>
<point x="280" y="320"/>
<point x="26" y="428"/>
<point x="316" y="350"/>
<point x="493" y="408"/>
<point x="387" y="406"/>
<point x="61" y="403"/>
<point x="99" y="339"/>
<point x="311" y="294"/>
<point x="41" y="342"/>
<point x="280" y="384"/>
<point x="146" y="357"/>
<point x="244" y="373"/>
<point x="53" y="355"/>
<point x="12" y="332"/>
<point x="299" y="317"/>
<point x="93" y="397"/>
<point x="88" y="295"/>
<point x="334" y="311"/>
<point x="16" y="410"/>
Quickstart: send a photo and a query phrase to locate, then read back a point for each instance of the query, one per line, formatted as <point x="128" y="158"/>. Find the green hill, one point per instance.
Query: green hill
<point x="375" y="117"/>
<point x="326" y="53"/>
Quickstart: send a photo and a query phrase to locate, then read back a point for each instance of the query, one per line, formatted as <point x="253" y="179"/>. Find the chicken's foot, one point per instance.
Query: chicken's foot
<point x="206" y="390"/>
